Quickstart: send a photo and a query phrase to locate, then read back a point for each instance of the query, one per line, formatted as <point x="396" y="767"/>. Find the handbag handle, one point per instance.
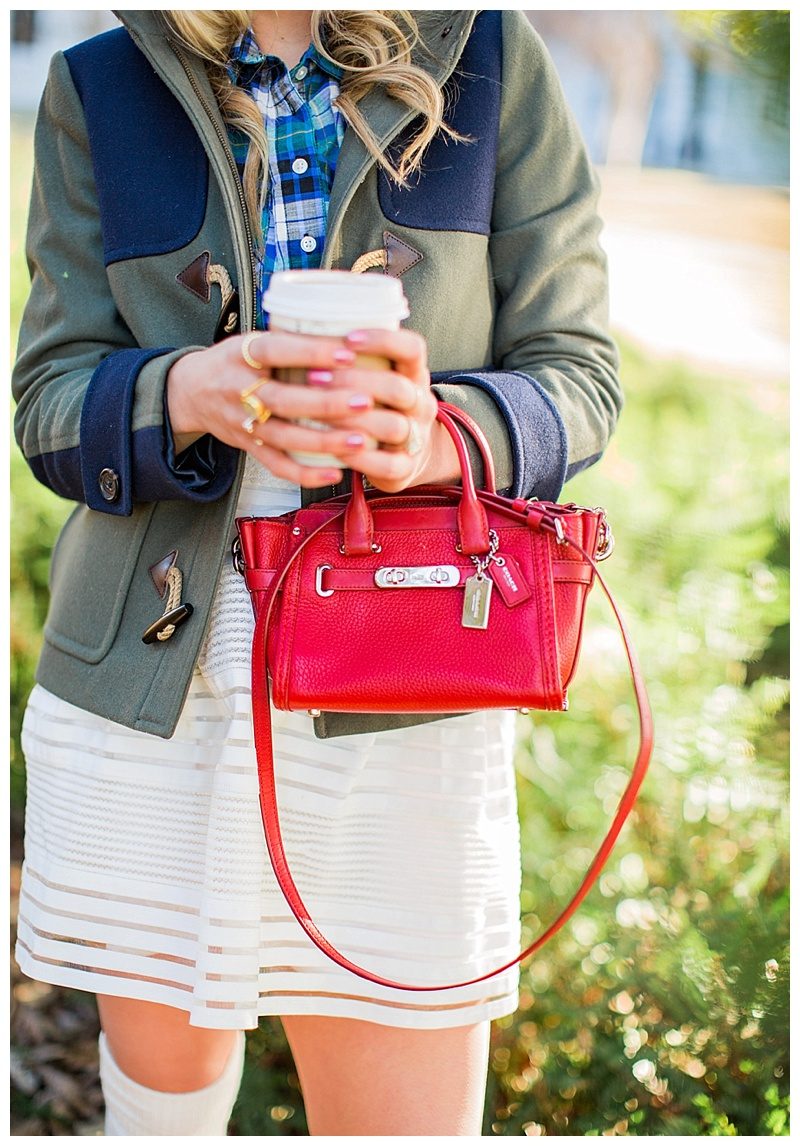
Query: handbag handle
<point x="466" y="422"/>
<point x="262" y="727"/>
<point x="473" y="526"/>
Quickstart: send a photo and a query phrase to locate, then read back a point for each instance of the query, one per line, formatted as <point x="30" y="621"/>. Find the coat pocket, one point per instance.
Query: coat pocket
<point x="93" y="564"/>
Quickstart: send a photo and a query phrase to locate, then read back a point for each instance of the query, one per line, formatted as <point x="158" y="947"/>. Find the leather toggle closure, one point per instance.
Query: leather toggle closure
<point x="394" y="258"/>
<point x="199" y="277"/>
<point x="158" y="631"/>
<point x="168" y="581"/>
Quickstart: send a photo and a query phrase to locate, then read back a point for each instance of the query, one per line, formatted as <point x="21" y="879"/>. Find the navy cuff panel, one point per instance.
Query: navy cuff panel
<point x="536" y="432"/>
<point x="105" y="433"/>
<point x="581" y="464"/>
<point x="200" y="475"/>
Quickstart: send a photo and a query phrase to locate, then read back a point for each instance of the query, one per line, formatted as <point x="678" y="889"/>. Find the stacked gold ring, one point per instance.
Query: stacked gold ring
<point x="259" y="413"/>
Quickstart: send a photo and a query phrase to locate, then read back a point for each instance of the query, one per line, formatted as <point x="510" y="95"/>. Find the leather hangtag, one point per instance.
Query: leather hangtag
<point x="511" y="585"/>
<point x="159" y="572"/>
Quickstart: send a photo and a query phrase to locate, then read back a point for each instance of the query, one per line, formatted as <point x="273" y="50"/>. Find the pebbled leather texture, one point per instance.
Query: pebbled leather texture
<point x="327" y="639"/>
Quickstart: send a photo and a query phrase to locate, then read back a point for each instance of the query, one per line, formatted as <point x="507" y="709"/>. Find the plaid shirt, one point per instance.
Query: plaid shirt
<point x="304" y="134"/>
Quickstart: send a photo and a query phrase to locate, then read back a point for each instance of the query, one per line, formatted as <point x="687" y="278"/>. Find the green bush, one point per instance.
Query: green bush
<point x="661" y="1008"/>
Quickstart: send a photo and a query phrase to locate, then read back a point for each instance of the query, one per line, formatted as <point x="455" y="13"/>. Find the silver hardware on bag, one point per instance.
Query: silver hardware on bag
<point x="318" y="582"/>
<point x="478" y="589"/>
<point x="375" y="547"/>
<point x="237" y="556"/>
<point x="607" y="541"/>
<point x="417" y="576"/>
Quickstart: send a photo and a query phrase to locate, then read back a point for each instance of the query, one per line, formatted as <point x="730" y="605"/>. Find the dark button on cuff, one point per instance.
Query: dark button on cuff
<point x="109" y="484"/>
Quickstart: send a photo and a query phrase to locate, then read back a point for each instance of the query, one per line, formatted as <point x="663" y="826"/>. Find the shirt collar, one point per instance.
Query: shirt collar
<point x="246" y="58"/>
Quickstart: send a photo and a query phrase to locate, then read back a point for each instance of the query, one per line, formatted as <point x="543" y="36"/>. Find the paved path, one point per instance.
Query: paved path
<point x="699" y="270"/>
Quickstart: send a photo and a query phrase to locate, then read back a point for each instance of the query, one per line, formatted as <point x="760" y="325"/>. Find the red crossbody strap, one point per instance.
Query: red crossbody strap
<point x="262" y="722"/>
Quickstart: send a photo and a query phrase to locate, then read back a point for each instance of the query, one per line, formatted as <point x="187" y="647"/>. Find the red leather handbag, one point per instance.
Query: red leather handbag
<point x="438" y="599"/>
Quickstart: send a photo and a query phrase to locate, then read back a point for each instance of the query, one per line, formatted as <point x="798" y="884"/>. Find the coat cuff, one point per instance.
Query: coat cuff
<point x="195" y="466"/>
<point x="528" y="438"/>
<point x="120" y="465"/>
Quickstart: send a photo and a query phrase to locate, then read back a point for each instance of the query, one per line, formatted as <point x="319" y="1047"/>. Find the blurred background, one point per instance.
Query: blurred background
<point x="662" y="1008"/>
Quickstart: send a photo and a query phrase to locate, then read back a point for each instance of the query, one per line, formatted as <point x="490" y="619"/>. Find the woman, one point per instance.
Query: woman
<point x="180" y="160"/>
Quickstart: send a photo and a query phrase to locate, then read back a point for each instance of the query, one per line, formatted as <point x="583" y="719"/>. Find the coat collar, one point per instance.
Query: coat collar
<point x="441" y="42"/>
<point x="443" y="35"/>
<point x="442" y="39"/>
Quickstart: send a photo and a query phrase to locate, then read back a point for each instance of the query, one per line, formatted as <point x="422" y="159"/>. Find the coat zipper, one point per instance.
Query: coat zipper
<point x="233" y="169"/>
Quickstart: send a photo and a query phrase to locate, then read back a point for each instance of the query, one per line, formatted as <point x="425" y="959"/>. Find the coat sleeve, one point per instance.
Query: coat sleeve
<point x="554" y="385"/>
<point x="90" y="415"/>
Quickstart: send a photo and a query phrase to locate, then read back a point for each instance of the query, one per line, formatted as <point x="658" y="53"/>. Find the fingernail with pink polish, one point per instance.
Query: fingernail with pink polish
<point x="357" y="337"/>
<point x="319" y="377"/>
<point x="332" y="475"/>
<point x="359" y="402"/>
<point x="354" y="441"/>
<point x="344" y="356"/>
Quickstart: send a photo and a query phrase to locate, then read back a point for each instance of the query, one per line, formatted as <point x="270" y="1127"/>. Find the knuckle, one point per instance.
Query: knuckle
<point x="412" y="397"/>
<point x="398" y="431"/>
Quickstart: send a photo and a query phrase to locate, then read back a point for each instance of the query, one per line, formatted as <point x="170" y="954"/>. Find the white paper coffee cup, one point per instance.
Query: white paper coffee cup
<point x="332" y="303"/>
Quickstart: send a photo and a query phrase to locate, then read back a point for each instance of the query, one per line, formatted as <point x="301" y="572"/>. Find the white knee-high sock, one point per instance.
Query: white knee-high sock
<point x="133" y="1109"/>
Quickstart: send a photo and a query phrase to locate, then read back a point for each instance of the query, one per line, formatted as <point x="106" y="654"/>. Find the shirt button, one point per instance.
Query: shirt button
<point x="308" y="244"/>
<point x="109" y="484"/>
<point x="300" y="166"/>
<point x="301" y="73"/>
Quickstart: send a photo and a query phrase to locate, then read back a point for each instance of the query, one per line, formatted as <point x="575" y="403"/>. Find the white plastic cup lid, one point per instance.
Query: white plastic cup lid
<point x="335" y="298"/>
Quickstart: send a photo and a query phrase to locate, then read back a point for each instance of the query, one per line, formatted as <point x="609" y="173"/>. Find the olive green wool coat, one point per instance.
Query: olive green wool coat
<point x="136" y="197"/>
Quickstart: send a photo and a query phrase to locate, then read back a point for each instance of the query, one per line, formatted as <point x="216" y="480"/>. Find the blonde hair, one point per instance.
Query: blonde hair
<point x="371" y="48"/>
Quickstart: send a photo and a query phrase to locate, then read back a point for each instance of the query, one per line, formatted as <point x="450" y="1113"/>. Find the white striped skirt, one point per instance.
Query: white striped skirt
<point x="146" y="873"/>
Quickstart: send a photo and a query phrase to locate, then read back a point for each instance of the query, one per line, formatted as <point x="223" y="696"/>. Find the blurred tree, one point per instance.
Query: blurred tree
<point x="760" y="39"/>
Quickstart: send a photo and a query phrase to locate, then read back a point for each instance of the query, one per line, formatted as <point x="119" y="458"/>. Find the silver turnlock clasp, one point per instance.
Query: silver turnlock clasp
<point x="417" y="576"/>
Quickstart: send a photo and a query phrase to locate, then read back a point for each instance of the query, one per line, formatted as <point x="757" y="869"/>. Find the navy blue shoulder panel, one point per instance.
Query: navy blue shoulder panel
<point x="455" y="188"/>
<point x="150" y="167"/>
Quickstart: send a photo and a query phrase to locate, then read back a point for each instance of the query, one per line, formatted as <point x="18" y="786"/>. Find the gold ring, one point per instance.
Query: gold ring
<point x="245" y="394"/>
<point x="249" y="425"/>
<point x="253" y="403"/>
<point x="245" y="350"/>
